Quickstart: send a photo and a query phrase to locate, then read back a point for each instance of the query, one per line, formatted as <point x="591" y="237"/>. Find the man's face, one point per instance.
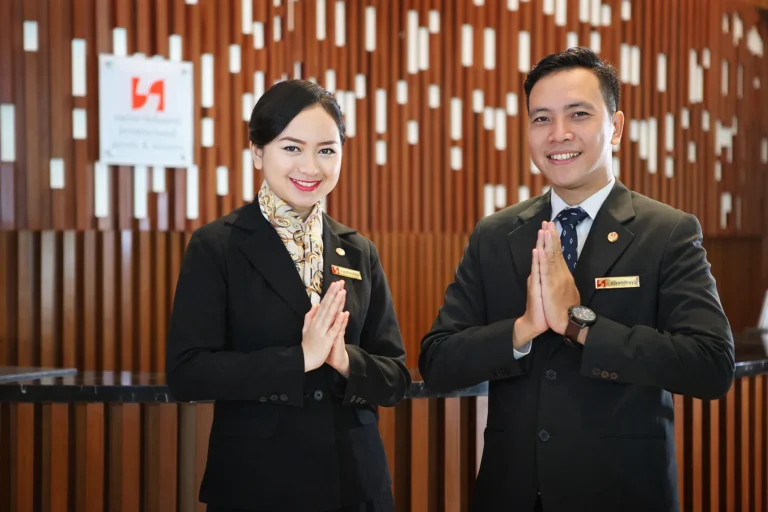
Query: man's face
<point x="570" y="131"/>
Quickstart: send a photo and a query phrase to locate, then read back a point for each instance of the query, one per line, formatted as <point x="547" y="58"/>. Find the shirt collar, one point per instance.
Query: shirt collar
<point x="591" y="205"/>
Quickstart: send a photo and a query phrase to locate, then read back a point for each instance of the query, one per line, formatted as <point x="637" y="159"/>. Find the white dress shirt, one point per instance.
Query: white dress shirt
<point x="591" y="205"/>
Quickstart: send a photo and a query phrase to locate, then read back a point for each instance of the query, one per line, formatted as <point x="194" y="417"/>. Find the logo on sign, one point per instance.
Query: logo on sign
<point x="138" y="100"/>
<point x="600" y="283"/>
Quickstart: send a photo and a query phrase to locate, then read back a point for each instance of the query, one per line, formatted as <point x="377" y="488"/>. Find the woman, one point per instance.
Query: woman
<point x="284" y="317"/>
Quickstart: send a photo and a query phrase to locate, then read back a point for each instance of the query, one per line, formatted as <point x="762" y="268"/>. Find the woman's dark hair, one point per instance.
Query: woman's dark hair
<point x="578" y="58"/>
<point x="285" y="100"/>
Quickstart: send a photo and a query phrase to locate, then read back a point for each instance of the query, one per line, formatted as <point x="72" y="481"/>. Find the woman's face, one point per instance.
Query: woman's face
<point x="301" y="165"/>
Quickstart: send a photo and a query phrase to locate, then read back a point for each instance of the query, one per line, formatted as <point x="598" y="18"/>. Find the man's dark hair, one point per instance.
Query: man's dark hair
<point x="578" y="58"/>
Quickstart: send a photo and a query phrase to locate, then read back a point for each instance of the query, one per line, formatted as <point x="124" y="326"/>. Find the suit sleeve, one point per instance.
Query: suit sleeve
<point x="377" y="371"/>
<point x="691" y="353"/>
<point x="461" y="350"/>
<point x="198" y="365"/>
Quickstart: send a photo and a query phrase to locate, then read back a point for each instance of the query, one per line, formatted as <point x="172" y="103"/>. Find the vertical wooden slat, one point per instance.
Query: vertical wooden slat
<point x="124" y="457"/>
<point x="56" y="453"/>
<point x="22" y="489"/>
<point x="89" y="458"/>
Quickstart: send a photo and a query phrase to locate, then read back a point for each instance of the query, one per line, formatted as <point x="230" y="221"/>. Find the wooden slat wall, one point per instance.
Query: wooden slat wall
<point x="95" y="294"/>
<point x="151" y="457"/>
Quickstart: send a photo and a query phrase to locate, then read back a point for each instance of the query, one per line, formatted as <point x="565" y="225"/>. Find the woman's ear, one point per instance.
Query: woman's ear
<point x="257" y="154"/>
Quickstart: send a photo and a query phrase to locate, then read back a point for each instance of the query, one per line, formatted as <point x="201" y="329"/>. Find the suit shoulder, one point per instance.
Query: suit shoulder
<point x="506" y="218"/>
<point x="217" y="234"/>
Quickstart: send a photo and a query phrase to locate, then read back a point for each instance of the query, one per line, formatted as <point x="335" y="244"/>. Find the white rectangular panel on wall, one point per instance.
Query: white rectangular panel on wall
<point x="523" y="193"/>
<point x="119" y="42"/>
<point x="653" y="145"/>
<point x="381" y="152"/>
<point x="561" y="13"/>
<point x="661" y="77"/>
<point x="466" y="45"/>
<point x="412" y="42"/>
<point x="100" y="190"/>
<point x="258" y="35"/>
<point x="370" y="28"/>
<point x="669" y="167"/>
<point x="140" y="185"/>
<point x="456" y="118"/>
<point x="246" y="15"/>
<point x="669" y="131"/>
<point x="489" y="45"/>
<point x="524" y="51"/>
<point x="79" y="75"/>
<point x="248" y="170"/>
<point x="478" y="101"/>
<point x="501" y="196"/>
<point x="340" y="24"/>
<point x="7" y="133"/>
<point x="512" y="102"/>
<point x="381" y="111"/>
<point x="423" y="44"/>
<point x="571" y="40"/>
<point x="158" y="179"/>
<point x="320" y="21"/>
<point x="489" y="197"/>
<point x="193" y="192"/>
<point x="206" y="80"/>
<point x="222" y="180"/>
<point x="56" y="171"/>
<point x="456" y="158"/>
<point x="500" y="124"/>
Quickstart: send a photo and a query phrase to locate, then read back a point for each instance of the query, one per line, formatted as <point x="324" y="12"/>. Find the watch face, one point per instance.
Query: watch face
<point x="583" y="314"/>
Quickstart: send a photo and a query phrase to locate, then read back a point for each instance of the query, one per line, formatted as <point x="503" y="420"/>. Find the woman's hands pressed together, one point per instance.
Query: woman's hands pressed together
<point x="323" y="332"/>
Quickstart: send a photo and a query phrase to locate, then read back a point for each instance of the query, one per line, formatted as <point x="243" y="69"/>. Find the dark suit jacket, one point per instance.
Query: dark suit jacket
<point x="590" y="428"/>
<point x="282" y="439"/>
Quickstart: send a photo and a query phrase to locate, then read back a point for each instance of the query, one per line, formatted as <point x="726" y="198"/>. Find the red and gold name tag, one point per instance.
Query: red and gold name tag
<point x="346" y="272"/>
<point x="607" y="283"/>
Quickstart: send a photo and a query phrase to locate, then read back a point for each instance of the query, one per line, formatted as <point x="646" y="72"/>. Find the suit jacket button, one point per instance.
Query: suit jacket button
<point x="614" y="376"/>
<point x="263" y="399"/>
<point x="544" y="436"/>
<point x="284" y="398"/>
<point x="273" y="397"/>
<point x="551" y="374"/>
<point x="604" y="374"/>
<point x="596" y="372"/>
<point x="318" y="394"/>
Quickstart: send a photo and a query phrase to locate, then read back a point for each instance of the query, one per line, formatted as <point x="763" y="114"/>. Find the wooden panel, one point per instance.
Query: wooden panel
<point x="130" y="457"/>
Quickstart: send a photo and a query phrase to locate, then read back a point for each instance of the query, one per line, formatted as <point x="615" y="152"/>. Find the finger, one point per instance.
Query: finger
<point x="333" y="333"/>
<point x="327" y="302"/>
<point x="543" y="264"/>
<point x="557" y="246"/>
<point x="549" y="246"/>
<point x="309" y="317"/>
<point x="340" y="337"/>
<point x="336" y="307"/>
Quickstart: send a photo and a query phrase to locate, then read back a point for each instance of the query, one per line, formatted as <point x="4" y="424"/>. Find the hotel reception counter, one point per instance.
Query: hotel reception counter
<point x="94" y="441"/>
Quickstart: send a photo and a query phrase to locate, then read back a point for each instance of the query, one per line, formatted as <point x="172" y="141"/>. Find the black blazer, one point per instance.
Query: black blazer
<point x="591" y="428"/>
<point x="282" y="439"/>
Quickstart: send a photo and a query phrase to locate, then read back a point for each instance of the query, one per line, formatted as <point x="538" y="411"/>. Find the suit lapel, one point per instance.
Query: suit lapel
<point x="339" y="252"/>
<point x="268" y="255"/>
<point x="522" y="239"/>
<point x="599" y="254"/>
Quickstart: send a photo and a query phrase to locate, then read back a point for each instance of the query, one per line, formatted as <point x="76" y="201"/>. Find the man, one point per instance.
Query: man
<point x="582" y="359"/>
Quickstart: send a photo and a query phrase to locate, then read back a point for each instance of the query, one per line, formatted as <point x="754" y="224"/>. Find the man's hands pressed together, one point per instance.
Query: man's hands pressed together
<point x="551" y="290"/>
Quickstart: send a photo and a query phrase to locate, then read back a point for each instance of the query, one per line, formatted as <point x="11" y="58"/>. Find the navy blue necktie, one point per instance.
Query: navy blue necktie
<point x="569" y="219"/>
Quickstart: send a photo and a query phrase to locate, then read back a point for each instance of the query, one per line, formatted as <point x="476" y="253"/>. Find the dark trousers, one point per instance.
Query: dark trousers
<point x="384" y="503"/>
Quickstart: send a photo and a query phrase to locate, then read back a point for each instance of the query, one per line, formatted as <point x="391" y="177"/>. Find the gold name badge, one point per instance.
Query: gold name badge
<point x="606" y="283"/>
<point x="346" y="272"/>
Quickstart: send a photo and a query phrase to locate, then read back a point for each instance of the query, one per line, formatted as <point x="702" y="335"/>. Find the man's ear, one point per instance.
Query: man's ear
<point x="618" y="127"/>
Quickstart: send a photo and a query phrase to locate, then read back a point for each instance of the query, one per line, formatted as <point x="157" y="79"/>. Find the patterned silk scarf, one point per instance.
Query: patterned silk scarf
<point x="303" y="239"/>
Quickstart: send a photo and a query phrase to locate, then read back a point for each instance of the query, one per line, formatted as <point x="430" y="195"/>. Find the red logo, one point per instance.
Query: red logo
<point x="601" y="283"/>
<point x="156" y="89"/>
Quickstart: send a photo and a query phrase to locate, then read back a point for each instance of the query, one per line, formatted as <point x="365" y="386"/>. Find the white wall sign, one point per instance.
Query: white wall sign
<point x="145" y="112"/>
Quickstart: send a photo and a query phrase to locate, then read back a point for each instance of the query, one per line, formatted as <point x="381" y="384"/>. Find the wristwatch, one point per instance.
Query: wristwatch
<point x="579" y="317"/>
